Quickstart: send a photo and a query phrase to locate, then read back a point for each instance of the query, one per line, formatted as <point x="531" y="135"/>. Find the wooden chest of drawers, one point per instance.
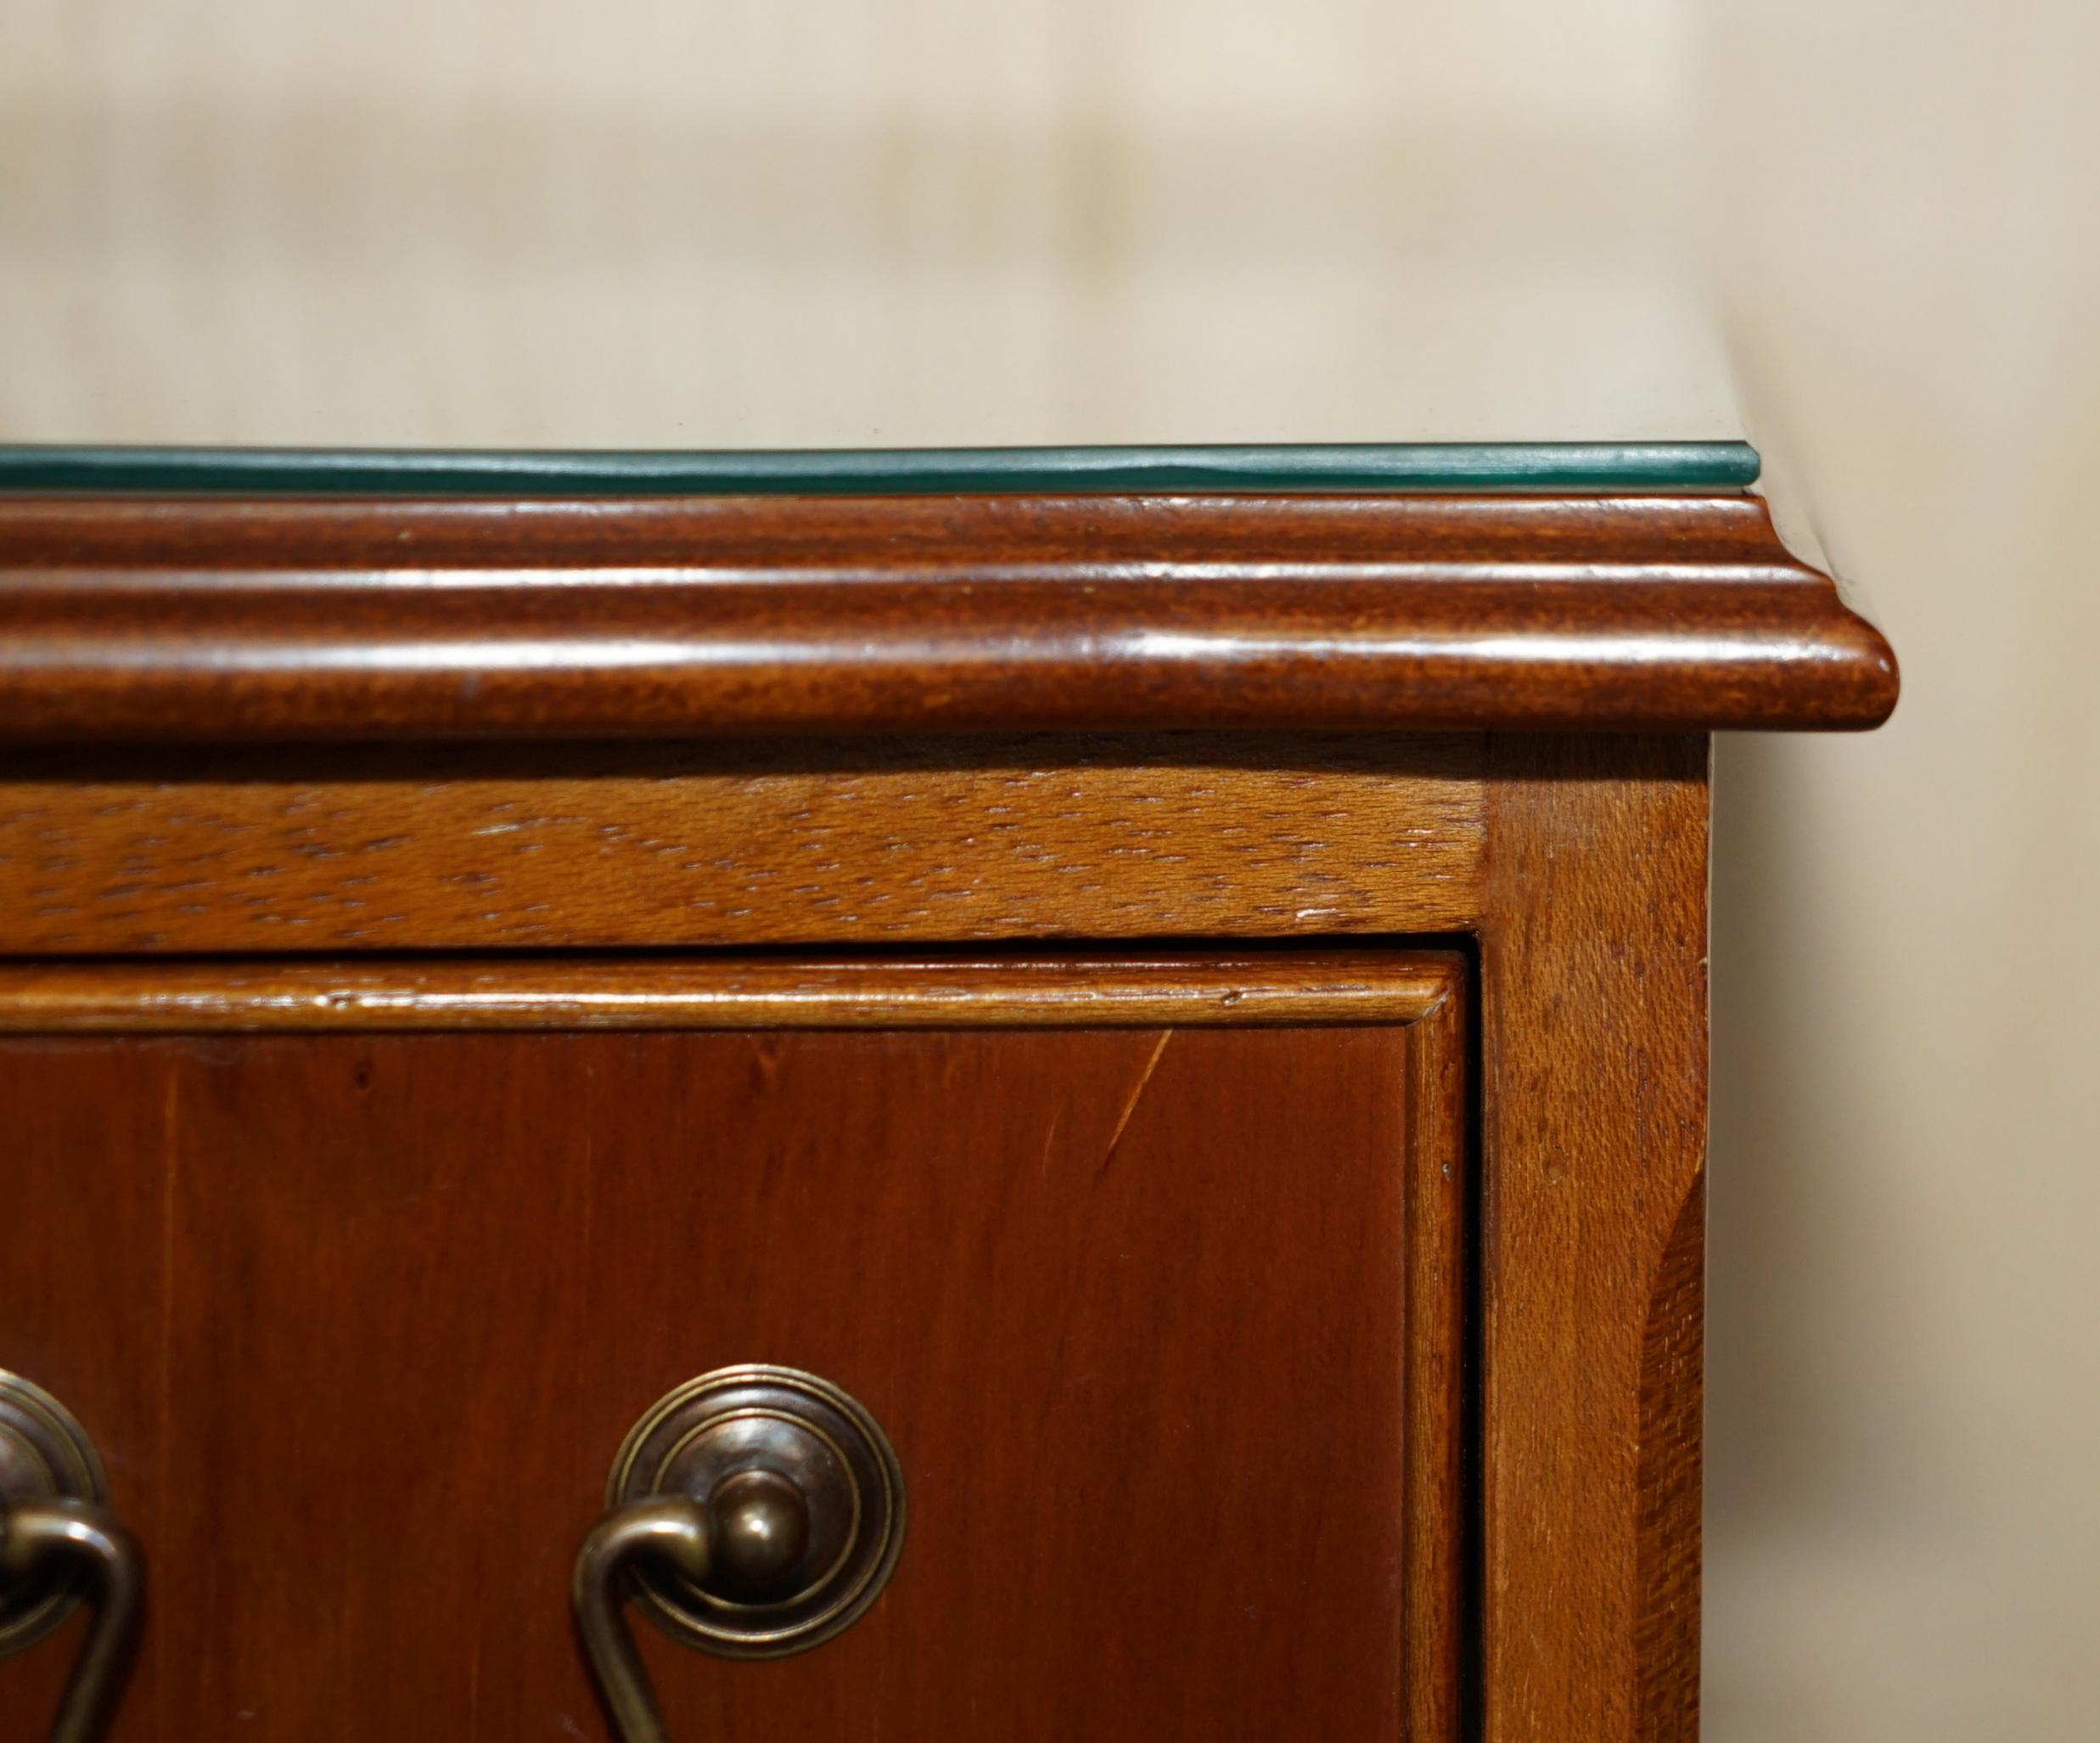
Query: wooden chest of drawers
<point x="1152" y="1047"/>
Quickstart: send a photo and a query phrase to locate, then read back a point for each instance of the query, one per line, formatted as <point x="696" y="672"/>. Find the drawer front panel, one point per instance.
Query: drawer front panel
<point x="1161" y="1323"/>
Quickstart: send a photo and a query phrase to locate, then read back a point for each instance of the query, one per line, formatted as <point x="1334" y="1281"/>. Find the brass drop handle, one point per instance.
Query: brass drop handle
<point x="55" y="1537"/>
<point x="755" y="1512"/>
<point x="43" y="1545"/>
<point x="670" y="1529"/>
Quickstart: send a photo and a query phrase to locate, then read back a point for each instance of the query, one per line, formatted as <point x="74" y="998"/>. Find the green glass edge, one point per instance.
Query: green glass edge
<point x="1437" y="466"/>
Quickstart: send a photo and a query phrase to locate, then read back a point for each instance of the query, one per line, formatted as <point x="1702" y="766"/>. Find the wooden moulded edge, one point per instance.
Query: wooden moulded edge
<point x="1141" y="990"/>
<point x="126" y="620"/>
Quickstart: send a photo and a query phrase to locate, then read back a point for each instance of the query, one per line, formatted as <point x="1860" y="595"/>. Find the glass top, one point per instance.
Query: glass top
<point x="1402" y="466"/>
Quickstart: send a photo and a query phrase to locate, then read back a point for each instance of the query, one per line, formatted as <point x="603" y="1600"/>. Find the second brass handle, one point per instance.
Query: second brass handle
<point x="753" y="1512"/>
<point x="47" y="1540"/>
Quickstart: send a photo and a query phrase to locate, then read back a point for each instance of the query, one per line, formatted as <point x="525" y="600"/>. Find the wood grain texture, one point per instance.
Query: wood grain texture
<point x="1440" y="1527"/>
<point x="1594" y="1127"/>
<point x="124" y="619"/>
<point x="1162" y="1322"/>
<point x="1668" y="1480"/>
<point x="388" y="848"/>
<point x="1159" y="989"/>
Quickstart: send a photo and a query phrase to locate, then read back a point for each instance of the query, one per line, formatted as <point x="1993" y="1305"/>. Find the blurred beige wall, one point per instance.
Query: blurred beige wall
<point x="668" y="221"/>
<point x="843" y="221"/>
<point x="1904" y="1423"/>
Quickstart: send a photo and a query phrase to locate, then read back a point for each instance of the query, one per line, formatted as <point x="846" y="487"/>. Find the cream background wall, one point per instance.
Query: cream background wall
<point x="1904" y="1422"/>
<point x="669" y="222"/>
<point x="658" y="222"/>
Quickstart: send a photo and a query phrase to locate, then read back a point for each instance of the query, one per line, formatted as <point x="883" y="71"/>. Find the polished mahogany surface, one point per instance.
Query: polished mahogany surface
<point x="1161" y="1322"/>
<point x="207" y="619"/>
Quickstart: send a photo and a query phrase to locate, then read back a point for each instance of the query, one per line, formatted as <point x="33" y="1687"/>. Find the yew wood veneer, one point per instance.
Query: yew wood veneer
<point x="1189" y="1010"/>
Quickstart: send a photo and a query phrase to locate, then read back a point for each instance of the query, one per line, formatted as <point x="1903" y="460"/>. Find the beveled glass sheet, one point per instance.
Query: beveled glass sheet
<point x="1602" y="466"/>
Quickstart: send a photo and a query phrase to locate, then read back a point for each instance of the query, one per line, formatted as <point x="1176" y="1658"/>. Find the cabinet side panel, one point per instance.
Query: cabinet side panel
<point x="1594" y="1122"/>
<point x="1672" y="1400"/>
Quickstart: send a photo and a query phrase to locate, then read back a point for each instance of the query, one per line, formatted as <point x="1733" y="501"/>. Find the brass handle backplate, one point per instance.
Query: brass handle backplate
<point x="755" y="1511"/>
<point x="56" y="1539"/>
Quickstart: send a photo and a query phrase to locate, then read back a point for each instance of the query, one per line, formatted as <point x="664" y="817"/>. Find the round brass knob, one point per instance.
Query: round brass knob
<point x="761" y="1536"/>
<point x="800" y="1497"/>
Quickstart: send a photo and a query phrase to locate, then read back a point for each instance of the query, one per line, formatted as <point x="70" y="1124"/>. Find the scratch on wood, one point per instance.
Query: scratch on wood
<point x="1130" y="1106"/>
